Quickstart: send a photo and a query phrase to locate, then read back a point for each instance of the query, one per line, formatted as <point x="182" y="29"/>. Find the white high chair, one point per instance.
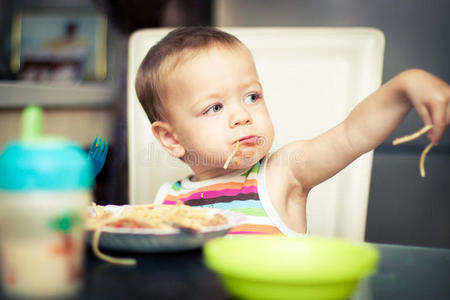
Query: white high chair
<point x="312" y="78"/>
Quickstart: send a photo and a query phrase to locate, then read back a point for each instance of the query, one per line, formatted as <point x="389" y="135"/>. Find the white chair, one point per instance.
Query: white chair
<point x="312" y="78"/>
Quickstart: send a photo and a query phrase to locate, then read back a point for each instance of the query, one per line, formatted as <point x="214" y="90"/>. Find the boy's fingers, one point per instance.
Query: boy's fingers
<point x="425" y="115"/>
<point x="439" y="121"/>
<point x="448" y="114"/>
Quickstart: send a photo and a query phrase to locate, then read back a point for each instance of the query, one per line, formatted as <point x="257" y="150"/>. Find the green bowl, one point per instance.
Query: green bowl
<point x="274" y="267"/>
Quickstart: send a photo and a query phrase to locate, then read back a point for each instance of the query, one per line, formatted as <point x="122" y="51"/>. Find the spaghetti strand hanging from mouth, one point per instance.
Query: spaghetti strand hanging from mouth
<point x="225" y="166"/>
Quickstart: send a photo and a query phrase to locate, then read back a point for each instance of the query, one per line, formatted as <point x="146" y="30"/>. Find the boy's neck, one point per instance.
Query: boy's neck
<point x="201" y="175"/>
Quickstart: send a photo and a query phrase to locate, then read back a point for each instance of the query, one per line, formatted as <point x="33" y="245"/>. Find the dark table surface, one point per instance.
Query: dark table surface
<point x="404" y="272"/>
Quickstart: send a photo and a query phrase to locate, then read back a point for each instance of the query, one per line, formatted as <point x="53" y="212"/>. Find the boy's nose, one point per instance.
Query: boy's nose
<point x="240" y="116"/>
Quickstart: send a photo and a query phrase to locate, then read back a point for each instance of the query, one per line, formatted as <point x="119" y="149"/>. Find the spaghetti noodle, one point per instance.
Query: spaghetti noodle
<point x="225" y="166"/>
<point x="413" y="136"/>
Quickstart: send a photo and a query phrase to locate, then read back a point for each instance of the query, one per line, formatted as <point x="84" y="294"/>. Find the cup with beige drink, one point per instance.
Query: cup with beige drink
<point x="45" y="188"/>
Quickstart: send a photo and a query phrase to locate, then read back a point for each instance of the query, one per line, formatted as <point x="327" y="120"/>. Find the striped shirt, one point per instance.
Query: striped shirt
<point x="242" y="192"/>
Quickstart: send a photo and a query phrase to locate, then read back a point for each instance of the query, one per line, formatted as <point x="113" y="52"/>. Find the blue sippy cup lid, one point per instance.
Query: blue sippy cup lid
<point x="36" y="162"/>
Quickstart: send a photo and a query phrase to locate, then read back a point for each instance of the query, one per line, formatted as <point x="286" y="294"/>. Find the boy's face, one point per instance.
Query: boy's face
<point x="215" y="100"/>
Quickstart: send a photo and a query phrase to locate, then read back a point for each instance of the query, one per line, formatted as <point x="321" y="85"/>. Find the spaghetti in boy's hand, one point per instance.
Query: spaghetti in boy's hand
<point x="430" y="96"/>
<point x="410" y="137"/>
<point x="415" y="135"/>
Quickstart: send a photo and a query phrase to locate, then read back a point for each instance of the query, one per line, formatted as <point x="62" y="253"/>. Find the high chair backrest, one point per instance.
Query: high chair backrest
<point x="312" y="78"/>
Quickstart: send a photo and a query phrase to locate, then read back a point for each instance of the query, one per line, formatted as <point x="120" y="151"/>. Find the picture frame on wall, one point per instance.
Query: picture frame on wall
<point x="59" y="46"/>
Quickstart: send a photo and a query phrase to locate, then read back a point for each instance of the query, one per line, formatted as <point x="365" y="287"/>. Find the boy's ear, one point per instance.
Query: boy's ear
<point x="167" y="138"/>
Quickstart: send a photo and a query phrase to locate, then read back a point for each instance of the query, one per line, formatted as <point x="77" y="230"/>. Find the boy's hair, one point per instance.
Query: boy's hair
<point x="166" y="55"/>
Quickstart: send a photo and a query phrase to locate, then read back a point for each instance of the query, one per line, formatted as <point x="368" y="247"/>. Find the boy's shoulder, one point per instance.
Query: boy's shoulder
<point x="285" y="192"/>
<point x="282" y="182"/>
<point x="284" y="160"/>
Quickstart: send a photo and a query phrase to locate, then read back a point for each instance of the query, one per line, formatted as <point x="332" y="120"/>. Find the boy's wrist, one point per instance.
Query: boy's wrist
<point x="408" y="79"/>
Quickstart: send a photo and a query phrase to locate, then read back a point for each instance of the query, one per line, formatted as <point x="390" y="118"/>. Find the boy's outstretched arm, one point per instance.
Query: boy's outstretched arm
<point x="368" y="125"/>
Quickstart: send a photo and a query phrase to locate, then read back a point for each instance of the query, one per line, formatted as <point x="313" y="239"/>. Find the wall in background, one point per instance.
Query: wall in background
<point x="80" y="123"/>
<point x="403" y="208"/>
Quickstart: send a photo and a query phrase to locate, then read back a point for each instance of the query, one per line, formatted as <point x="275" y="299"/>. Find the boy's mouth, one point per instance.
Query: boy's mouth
<point x="249" y="140"/>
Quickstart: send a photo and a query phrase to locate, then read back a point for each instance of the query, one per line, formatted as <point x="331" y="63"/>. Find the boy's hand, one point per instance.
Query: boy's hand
<point x="431" y="98"/>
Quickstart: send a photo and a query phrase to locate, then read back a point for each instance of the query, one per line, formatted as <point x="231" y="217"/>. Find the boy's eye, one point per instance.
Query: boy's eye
<point x="251" y="98"/>
<point x="213" y="109"/>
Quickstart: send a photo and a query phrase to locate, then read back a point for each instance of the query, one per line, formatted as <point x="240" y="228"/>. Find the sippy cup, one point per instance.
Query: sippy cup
<point x="45" y="188"/>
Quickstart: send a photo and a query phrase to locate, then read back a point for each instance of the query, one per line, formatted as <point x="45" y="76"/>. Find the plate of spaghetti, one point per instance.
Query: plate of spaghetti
<point x="154" y="228"/>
